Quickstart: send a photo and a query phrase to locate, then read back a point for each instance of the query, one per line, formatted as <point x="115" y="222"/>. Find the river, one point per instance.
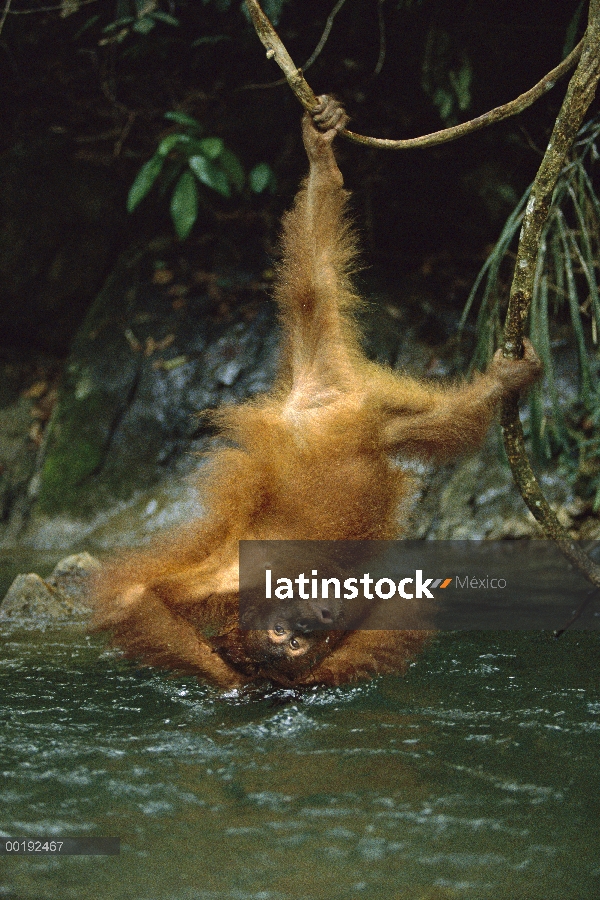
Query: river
<point x="474" y="776"/>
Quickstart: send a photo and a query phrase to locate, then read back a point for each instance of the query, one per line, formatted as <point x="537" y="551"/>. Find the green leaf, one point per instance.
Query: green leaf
<point x="211" y="147"/>
<point x="184" y="205"/>
<point x="210" y="39"/>
<point x="169" y="175"/>
<point x="576" y="322"/>
<point x="171" y="140"/>
<point x="461" y="84"/>
<point x="232" y="168"/>
<point x="143" y="26"/>
<point x="207" y="172"/>
<point x="118" y="23"/>
<point x="544" y="345"/>
<point x="183" y="119"/>
<point x="144" y="180"/>
<point x="89" y="24"/>
<point x="164" y="17"/>
<point x="444" y="101"/>
<point x="193" y="147"/>
<point x="261" y="177"/>
<point x="492" y="264"/>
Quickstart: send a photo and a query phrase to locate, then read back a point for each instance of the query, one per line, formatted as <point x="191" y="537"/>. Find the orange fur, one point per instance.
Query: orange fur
<point x="309" y="460"/>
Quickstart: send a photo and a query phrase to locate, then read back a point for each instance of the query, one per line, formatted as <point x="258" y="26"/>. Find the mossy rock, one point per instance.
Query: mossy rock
<point x="140" y="370"/>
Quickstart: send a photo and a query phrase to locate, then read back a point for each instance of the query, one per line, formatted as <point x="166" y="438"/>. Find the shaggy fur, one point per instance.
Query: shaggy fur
<point x="310" y="460"/>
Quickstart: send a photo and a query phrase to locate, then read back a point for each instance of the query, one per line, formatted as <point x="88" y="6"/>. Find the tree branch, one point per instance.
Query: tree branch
<point x="5" y="12"/>
<point x="498" y="114"/>
<point x="382" y="40"/>
<point x="580" y="94"/>
<point x="277" y="51"/>
<point x="325" y="35"/>
<point x="313" y="56"/>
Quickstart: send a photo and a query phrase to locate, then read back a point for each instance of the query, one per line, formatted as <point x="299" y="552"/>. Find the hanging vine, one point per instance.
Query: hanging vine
<point x="580" y="93"/>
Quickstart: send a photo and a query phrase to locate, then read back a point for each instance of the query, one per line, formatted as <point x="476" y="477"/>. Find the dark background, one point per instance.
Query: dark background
<point x="83" y="111"/>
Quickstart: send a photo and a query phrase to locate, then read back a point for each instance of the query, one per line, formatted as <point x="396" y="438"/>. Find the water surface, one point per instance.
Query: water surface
<point x="475" y="776"/>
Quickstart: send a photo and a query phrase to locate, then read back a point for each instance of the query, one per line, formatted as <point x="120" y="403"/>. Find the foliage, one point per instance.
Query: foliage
<point x="184" y="158"/>
<point x="566" y="277"/>
<point x="446" y="76"/>
<point x="582" y="464"/>
<point x="139" y="16"/>
<point x="262" y="178"/>
<point x="589" y="464"/>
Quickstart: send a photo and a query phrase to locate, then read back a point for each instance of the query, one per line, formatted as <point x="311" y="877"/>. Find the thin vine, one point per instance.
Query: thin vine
<point x="580" y="93"/>
<point x="277" y="51"/>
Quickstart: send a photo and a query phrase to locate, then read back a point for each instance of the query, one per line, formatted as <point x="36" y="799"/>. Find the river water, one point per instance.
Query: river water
<point x="474" y="776"/>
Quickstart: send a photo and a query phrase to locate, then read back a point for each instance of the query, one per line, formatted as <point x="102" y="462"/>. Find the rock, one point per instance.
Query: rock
<point x="30" y="597"/>
<point x="62" y="596"/>
<point x="141" y="368"/>
<point x="71" y="575"/>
